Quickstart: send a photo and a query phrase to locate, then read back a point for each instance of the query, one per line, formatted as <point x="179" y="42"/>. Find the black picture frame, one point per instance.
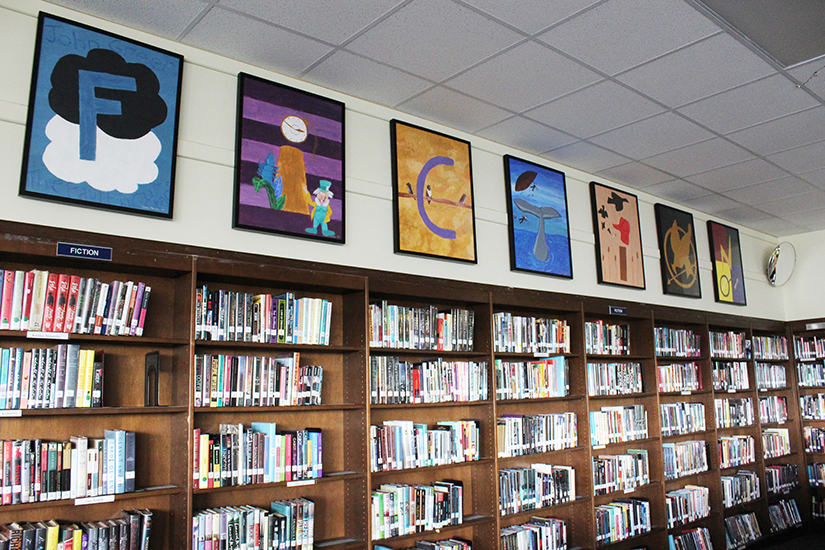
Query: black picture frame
<point x="616" y="216"/>
<point x="726" y="258"/>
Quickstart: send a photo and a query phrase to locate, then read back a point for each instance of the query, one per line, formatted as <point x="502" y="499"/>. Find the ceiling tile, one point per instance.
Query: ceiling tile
<point x="595" y="109"/>
<point x="813" y="219"/>
<point x="586" y="157"/>
<point x="652" y="136"/>
<point x="783" y="133"/>
<point x="525" y="135"/>
<point x="743" y="214"/>
<point x="815" y="177"/>
<point x="676" y="190"/>
<point x="162" y="17"/>
<point x="608" y="36"/>
<point x="634" y="174"/>
<point x="329" y="21"/>
<point x="454" y="109"/>
<point x="805" y="73"/>
<point x="416" y="37"/>
<point x="707" y="67"/>
<point x="776" y="227"/>
<point x="753" y="103"/>
<point x="791" y="206"/>
<point x="711" y="203"/>
<point x="529" y="15"/>
<point x="802" y="159"/>
<point x="699" y="157"/>
<point x="769" y="191"/>
<point x="737" y="175"/>
<point x="228" y="33"/>
<point x="365" y="78"/>
<point x="523" y="77"/>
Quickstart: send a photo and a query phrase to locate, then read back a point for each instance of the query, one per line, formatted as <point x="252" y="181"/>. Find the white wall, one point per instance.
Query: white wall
<point x="804" y="298"/>
<point x="204" y="186"/>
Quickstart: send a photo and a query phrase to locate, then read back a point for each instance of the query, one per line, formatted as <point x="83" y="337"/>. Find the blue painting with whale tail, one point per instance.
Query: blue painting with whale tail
<point x="539" y="226"/>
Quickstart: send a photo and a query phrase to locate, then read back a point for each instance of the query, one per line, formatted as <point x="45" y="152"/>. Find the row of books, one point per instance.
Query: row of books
<point x="228" y="315"/>
<point x="781" y="478"/>
<point x="734" y="412"/>
<point x="622" y="472"/>
<point x="518" y="435"/>
<point x="402" y="444"/>
<point x="682" y="418"/>
<point x="532" y="379"/>
<point x="736" y="450"/>
<point x="684" y="458"/>
<point x="814" y="439"/>
<point x="812" y="406"/>
<point x="246" y="381"/>
<point x="287" y="525"/>
<point x="672" y="342"/>
<point x="614" y="378"/>
<point x="776" y="442"/>
<point x="810" y="375"/>
<point x="808" y="348"/>
<point x="730" y="376"/>
<point x="39" y="471"/>
<point x="679" y="377"/>
<point x="448" y="544"/>
<point x="770" y="348"/>
<point x="773" y="409"/>
<point x="527" y="334"/>
<point x="537" y="534"/>
<point x="692" y="539"/>
<point x="63" y="376"/>
<point x="538" y="486"/>
<point x="400" y="509"/>
<point x="602" y="338"/>
<point x="784" y="515"/>
<point x="622" y="519"/>
<point x="771" y="376"/>
<point x="617" y="424"/>
<point x="729" y="345"/>
<point x="132" y="530"/>
<point x="818" y="507"/>
<point x="425" y="328"/>
<point x="740" y="487"/>
<point x="816" y="474"/>
<point x="741" y="529"/>
<point x="259" y="454"/>
<point x="40" y="301"/>
<point x="687" y="504"/>
<point x="394" y="381"/>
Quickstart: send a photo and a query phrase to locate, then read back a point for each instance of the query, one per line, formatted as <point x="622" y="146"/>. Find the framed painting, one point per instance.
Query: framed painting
<point x="289" y="161"/>
<point x="619" y="259"/>
<point x="433" y="207"/>
<point x="539" y="226"/>
<point x="103" y="120"/>
<point x="726" y="257"/>
<point x="677" y="250"/>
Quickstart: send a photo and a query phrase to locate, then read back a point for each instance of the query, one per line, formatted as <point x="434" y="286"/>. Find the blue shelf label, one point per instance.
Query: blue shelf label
<point x="85" y="251"/>
<point x="616" y="310"/>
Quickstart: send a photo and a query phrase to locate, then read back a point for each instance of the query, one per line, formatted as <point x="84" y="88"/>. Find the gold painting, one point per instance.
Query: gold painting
<point x="432" y="193"/>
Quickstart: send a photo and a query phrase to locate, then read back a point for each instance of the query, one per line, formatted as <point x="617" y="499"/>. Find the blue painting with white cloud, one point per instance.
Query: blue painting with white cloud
<point x="539" y="222"/>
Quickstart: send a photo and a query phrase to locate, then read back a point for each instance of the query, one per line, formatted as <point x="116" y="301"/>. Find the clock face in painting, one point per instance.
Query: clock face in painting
<point x="294" y="129"/>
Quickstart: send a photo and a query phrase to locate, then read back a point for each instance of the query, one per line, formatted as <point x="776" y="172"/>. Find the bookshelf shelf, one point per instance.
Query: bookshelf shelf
<point x="470" y="521"/>
<point x="400" y="473"/>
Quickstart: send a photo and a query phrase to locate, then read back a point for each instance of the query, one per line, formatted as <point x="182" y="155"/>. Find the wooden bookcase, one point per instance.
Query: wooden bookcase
<point x="165" y="446"/>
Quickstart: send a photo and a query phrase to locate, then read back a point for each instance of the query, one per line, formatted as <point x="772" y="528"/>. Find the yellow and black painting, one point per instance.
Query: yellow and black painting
<point x="677" y="248"/>
<point x="433" y="193"/>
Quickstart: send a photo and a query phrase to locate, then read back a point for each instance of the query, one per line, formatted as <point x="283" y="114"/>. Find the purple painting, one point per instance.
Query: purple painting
<point x="289" y="161"/>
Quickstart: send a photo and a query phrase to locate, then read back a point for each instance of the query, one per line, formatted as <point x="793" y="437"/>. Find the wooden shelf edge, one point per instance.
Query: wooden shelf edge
<point x="467" y="463"/>
<point x="290" y="408"/>
<point x="469" y="521"/>
<point x="327" y="478"/>
<point x="144" y="492"/>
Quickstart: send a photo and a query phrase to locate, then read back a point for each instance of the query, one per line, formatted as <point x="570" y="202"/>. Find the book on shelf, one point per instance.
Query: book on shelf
<point x="784" y="478"/>
<point x="393" y="381"/>
<point x="671" y="342"/>
<point x="784" y="515"/>
<point x="131" y="530"/>
<point x="620" y="472"/>
<point x="63" y="376"/>
<point x="289" y="524"/>
<point x="602" y="338"/>
<point x="776" y="442"/>
<point x="679" y="377"/>
<point x="729" y="345"/>
<point x="770" y="376"/>
<point x="528" y="334"/>
<point x="682" y="418"/>
<point x="742" y="529"/>
<point x="423" y="328"/>
<point x="811" y="406"/>
<point x="537" y="379"/>
<point x="256" y="381"/>
<point x="539" y="532"/>
<point x="741" y="487"/>
<point x="730" y="376"/>
<point x="770" y="348"/>
<point x="684" y="458"/>
<point x="734" y="412"/>
<point x="692" y="539"/>
<point x="809" y="348"/>
<point x="773" y="409"/>
<point x="518" y="434"/>
<point x="534" y="487"/>
<point x="234" y="316"/>
<point x="617" y="424"/>
<point x="810" y="375"/>
<point x="622" y="519"/>
<point x="403" y="444"/>
<point x="736" y="450"/>
<point x="687" y="504"/>
<point x="44" y="301"/>
<point x="244" y="456"/>
<point x="399" y="509"/>
<point x="614" y="378"/>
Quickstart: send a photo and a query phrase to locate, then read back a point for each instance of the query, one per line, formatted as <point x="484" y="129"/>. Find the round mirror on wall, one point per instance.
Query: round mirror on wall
<point x="781" y="264"/>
